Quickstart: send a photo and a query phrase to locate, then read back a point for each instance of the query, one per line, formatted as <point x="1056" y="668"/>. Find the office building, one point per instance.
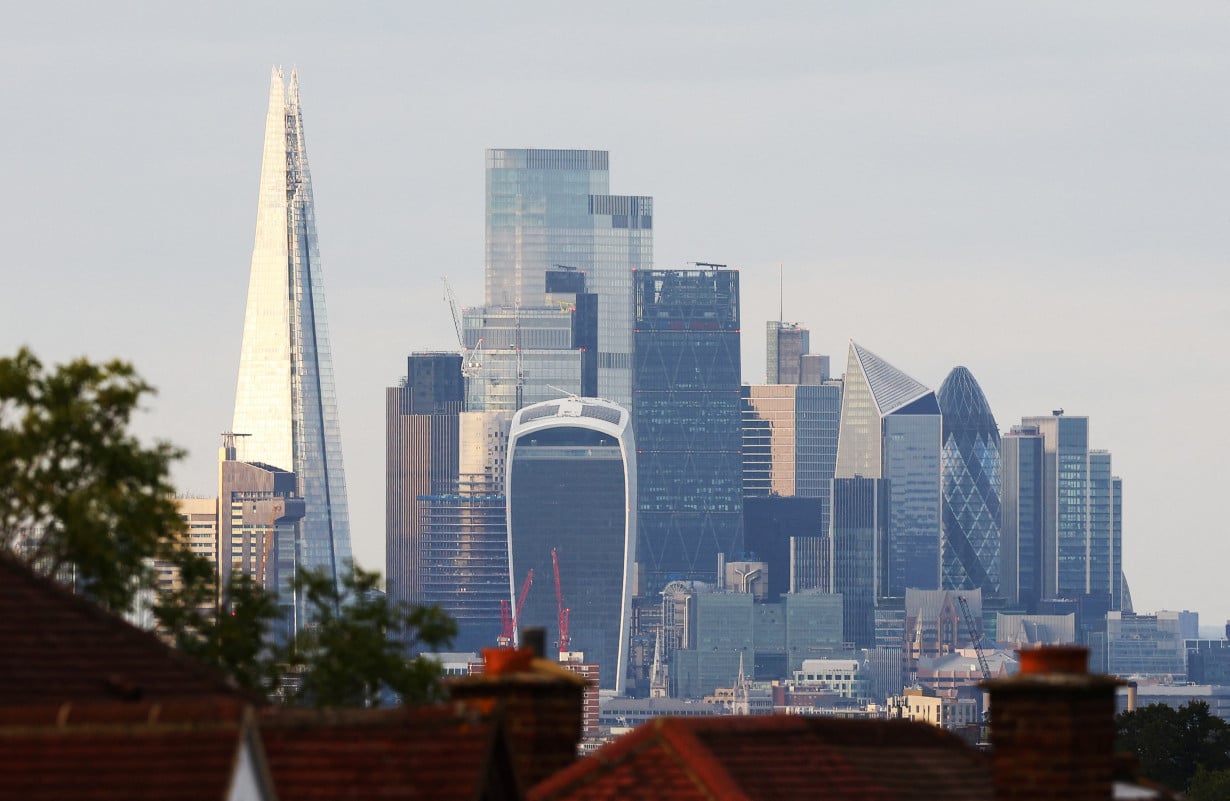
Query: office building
<point x="856" y="542"/>
<point x="971" y="483"/>
<point x="1082" y="513"/>
<point x="421" y="442"/>
<point x="463" y="534"/>
<point x="785" y="346"/>
<point x="1022" y="517"/>
<point x="773" y="528"/>
<point x="552" y="209"/>
<point x="790" y="439"/>
<point x="686" y="414"/>
<point x="891" y="430"/>
<point x="1145" y="645"/>
<point x="285" y="401"/>
<point x="571" y="490"/>
<point x="260" y="519"/>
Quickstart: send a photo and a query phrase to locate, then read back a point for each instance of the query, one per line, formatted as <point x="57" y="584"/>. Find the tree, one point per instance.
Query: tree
<point x="78" y="492"/>
<point x="1209" y="785"/>
<point x="358" y="644"/>
<point x="1173" y="744"/>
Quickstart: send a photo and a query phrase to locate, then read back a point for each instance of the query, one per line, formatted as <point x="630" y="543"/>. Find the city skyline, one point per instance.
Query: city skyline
<point x="1058" y="168"/>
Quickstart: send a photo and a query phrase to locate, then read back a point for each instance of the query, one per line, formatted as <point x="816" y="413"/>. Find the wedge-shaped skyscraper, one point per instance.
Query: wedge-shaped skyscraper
<point x="285" y="403"/>
<point x="890" y="430"/>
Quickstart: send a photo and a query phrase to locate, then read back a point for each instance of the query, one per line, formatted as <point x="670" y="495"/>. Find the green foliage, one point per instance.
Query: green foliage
<point x="1209" y="785"/>
<point x="1174" y="744"/>
<point x="78" y="492"/>
<point x="231" y="637"/>
<point x="358" y="644"/>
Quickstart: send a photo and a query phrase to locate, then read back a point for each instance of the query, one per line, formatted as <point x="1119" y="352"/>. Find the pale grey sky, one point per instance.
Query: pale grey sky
<point x="1035" y="191"/>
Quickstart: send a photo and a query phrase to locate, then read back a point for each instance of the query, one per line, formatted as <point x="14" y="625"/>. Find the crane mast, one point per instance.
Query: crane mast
<point x="563" y="612"/>
<point x="509" y="617"/>
<point x="975" y="636"/>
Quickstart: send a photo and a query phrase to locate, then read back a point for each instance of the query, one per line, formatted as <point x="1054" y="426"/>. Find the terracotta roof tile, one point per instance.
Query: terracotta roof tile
<point x="105" y="762"/>
<point x="60" y="647"/>
<point x="412" y="753"/>
<point x="776" y="757"/>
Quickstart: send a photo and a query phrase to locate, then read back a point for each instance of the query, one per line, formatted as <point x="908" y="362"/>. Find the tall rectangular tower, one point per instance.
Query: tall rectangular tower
<point x="552" y="208"/>
<point x="1021" y="533"/>
<point x="686" y="414"/>
<point x="421" y="457"/>
<point x="285" y="401"/>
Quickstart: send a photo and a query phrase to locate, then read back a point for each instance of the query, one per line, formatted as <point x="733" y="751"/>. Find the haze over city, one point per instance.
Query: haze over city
<point x="1034" y="193"/>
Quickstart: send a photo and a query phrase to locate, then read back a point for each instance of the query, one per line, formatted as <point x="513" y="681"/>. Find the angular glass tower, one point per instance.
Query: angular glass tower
<point x="687" y="416"/>
<point x="890" y="429"/>
<point x="552" y="208"/>
<point x="285" y="401"/>
<point x="972" y="485"/>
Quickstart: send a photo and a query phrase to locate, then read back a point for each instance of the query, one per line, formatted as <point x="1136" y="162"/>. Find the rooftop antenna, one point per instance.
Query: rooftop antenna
<point x="781" y="295"/>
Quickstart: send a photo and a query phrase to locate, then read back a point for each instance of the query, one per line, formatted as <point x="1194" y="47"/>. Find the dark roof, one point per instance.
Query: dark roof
<point x="776" y="757"/>
<point x="104" y="760"/>
<point x="436" y="752"/>
<point x="60" y="647"/>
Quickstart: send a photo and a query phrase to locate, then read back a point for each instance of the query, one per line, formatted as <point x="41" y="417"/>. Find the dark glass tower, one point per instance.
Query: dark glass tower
<point x="970" y="467"/>
<point x="421" y="435"/>
<point x="686" y="407"/>
<point x="572" y="490"/>
<point x="1021" y="540"/>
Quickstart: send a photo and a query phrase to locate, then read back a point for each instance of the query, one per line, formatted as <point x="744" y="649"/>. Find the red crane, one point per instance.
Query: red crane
<point x="509" y="618"/>
<point x="559" y="605"/>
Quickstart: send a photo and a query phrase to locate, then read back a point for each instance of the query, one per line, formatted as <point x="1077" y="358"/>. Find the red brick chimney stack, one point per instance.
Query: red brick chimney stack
<point x="1053" y="729"/>
<point x="540" y="704"/>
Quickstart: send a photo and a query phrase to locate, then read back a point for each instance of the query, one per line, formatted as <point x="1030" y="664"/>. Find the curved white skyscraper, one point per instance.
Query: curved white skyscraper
<point x="571" y="490"/>
<point x="285" y="401"/>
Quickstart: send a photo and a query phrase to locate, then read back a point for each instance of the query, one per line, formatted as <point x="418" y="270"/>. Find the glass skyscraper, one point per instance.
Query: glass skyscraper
<point x="971" y="485"/>
<point x="571" y="479"/>
<point x="890" y="430"/>
<point x="285" y="402"/>
<point x="1021" y="532"/>
<point x="1082" y="513"/>
<point x="552" y="208"/>
<point x="686" y="413"/>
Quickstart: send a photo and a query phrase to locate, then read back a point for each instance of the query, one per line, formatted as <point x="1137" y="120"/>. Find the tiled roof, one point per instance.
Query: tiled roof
<point x="105" y="761"/>
<point x="412" y="753"/>
<point x="776" y="757"/>
<point x="60" y="647"/>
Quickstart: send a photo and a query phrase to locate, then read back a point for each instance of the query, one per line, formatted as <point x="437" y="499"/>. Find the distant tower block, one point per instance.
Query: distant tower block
<point x="572" y="488"/>
<point x="285" y="398"/>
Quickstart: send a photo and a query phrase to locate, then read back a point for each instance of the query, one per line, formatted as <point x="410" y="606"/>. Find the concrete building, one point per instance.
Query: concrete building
<point x="1145" y="645"/>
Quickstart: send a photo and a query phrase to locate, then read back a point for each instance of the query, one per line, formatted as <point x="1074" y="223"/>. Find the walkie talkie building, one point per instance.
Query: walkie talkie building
<point x="571" y="488"/>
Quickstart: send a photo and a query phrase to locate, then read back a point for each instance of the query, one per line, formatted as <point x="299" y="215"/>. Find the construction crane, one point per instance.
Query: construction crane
<point x="975" y="636"/>
<point x="470" y="362"/>
<point x="508" y="617"/>
<point x="564" y="639"/>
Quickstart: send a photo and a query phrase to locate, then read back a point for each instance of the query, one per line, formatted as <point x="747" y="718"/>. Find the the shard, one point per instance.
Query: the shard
<point x="285" y="402"/>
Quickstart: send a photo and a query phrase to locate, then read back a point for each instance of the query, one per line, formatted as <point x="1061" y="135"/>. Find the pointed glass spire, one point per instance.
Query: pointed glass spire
<point x="285" y="399"/>
<point x="873" y="389"/>
<point x="971" y="485"/>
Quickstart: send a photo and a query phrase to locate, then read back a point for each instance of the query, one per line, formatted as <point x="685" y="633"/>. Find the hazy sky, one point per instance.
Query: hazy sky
<point x="1036" y="191"/>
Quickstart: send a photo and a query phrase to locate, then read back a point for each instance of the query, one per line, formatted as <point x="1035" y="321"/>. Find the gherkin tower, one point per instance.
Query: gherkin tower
<point x="285" y="402"/>
<point x="971" y="472"/>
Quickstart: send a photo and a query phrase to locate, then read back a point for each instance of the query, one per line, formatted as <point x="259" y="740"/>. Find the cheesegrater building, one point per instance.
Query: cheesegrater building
<point x="285" y="402"/>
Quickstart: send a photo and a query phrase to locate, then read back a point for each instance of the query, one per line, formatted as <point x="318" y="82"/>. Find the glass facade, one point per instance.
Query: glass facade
<point x="421" y="458"/>
<point x="971" y="486"/>
<point x="891" y="429"/>
<point x="786" y="344"/>
<point x="571" y="491"/>
<point x="686" y="415"/>
<point x="463" y="560"/>
<point x="285" y="401"/>
<point x="547" y="208"/>
<point x="857" y="539"/>
<point x="1022" y="517"/>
